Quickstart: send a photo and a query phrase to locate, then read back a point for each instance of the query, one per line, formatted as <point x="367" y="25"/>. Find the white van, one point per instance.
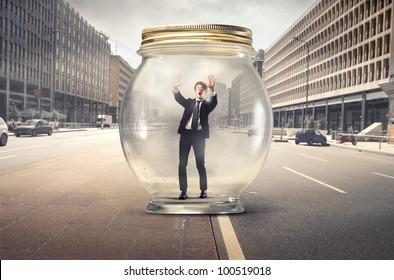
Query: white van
<point x="104" y="121"/>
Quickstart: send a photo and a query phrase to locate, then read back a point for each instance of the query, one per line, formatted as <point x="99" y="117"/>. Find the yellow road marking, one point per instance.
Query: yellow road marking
<point x="233" y="248"/>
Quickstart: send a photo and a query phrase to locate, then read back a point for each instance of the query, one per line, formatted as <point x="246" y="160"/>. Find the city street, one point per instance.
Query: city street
<point x="72" y="196"/>
<point x="313" y="202"/>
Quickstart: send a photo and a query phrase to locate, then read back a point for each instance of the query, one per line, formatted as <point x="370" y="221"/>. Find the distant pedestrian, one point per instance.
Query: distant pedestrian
<point x="13" y="124"/>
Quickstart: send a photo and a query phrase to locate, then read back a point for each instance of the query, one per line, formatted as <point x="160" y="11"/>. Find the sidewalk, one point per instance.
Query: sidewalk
<point x="368" y="146"/>
<point x="10" y="133"/>
<point x="362" y="146"/>
<point x="71" y="207"/>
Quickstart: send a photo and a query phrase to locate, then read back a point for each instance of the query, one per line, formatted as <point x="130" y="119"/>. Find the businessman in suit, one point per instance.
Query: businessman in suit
<point x="194" y="129"/>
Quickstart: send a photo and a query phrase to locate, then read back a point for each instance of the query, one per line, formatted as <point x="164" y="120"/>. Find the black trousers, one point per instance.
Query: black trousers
<point x="195" y="139"/>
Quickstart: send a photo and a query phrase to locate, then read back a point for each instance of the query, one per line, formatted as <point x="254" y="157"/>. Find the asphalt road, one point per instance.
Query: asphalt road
<point x="308" y="202"/>
<point x="313" y="202"/>
<point x="26" y="149"/>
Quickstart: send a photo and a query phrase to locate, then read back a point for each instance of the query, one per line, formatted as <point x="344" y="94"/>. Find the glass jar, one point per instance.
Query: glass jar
<point x="240" y="125"/>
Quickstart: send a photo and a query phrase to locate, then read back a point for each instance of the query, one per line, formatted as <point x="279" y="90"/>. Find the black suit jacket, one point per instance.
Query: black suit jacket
<point x="189" y="104"/>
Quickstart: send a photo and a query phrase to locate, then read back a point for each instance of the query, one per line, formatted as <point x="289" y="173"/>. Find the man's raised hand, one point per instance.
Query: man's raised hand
<point x="177" y="82"/>
<point x="211" y="82"/>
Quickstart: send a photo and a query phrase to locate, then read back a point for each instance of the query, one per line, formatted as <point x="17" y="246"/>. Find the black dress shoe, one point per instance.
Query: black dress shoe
<point x="183" y="195"/>
<point x="203" y="194"/>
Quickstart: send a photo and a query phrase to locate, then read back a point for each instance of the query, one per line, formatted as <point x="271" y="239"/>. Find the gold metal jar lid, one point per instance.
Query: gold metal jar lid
<point x="195" y="33"/>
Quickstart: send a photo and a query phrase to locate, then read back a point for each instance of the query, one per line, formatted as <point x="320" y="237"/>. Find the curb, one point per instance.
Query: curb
<point x="57" y="131"/>
<point x="70" y="130"/>
<point x="281" y="141"/>
<point x="355" y="148"/>
<point x="362" y="149"/>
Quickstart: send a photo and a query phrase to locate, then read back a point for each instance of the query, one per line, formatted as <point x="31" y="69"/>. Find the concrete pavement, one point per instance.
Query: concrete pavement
<point x="73" y="208"/>
<point x="382" y="148"/>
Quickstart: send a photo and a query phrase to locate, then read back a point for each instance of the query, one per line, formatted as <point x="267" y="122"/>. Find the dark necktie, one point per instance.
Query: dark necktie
<point x="196" y="113"/>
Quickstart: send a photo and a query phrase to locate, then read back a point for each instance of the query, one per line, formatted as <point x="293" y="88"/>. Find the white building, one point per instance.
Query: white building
<point x="335" y="62"/>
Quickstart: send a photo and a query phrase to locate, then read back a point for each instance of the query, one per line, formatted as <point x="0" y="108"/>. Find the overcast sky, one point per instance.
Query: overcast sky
<point x="123" y="20"/>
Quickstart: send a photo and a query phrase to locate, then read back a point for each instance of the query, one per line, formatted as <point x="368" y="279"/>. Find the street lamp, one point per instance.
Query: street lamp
<point x="307" y="83"/>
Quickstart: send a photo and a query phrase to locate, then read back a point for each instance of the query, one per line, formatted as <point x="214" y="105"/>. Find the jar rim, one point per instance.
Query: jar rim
<point x="195" y="33"/>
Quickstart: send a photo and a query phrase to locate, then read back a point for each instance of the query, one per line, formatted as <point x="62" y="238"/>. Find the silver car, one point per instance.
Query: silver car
<point x="3" y="132"/>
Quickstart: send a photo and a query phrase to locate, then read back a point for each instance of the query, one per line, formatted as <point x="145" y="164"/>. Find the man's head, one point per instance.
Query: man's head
<point x="200" y="89"/>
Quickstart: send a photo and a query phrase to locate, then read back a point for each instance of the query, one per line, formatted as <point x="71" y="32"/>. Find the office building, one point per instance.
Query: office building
<point x="120" y="75"/>
<point x="52" y="60"/>
<point x="334" y="64"/>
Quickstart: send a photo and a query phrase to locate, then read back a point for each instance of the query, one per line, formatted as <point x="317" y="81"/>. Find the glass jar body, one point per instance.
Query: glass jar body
<point x="239" y="128"/>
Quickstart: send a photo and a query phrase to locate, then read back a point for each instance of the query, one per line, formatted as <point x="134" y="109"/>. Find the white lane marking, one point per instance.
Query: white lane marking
<point x="312" y="157"/>
<point x="233" y="248"/>
<point x="6" y="157"/>
<point x="380" y="174"/>
<point x="315" y="180"/>
<point x="25" y="148"/>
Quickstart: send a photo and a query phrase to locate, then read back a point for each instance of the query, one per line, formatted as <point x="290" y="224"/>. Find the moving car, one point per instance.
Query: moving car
<point x="3" y="132"/>
<point x="310" y="136"/>
<point x="33" y="127"/>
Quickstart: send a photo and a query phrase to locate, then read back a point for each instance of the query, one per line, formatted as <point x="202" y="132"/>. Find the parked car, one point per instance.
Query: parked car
<point x="3" y="132"/>
<point x="33" y="127"/>
<point x="310" y="136"/>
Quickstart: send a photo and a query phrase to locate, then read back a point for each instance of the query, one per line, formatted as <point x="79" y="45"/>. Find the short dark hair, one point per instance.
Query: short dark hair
<point x="204" y="85"/>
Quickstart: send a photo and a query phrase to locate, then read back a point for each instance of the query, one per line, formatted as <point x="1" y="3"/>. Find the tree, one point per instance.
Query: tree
<point x="289" y="123"/>
<point x="14" y="112"/>
<point x="36" y="114"/>
<point x="321" y="123"/>
<point x="55" y="115"/>
<point x="311" y="123"/>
